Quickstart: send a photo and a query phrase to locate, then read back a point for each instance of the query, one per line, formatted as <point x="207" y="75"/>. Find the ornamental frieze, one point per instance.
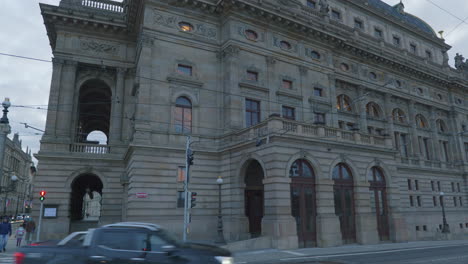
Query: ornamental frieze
<point x="172" y="22"/>
<point x="99" y="47"/>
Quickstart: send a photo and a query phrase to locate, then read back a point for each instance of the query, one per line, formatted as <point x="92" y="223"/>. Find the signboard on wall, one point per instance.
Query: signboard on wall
<point x="50" y="211"/>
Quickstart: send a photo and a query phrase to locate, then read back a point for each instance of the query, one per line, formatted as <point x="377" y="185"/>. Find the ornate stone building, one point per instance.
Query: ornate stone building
<point x="331" y="122"/>
<point x="16" y="196"/>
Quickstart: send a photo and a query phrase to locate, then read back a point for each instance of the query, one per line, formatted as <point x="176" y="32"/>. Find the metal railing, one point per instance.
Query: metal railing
<point x="89" y="148"/>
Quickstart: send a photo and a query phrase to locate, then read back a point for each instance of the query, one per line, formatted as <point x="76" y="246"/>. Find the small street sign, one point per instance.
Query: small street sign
<point x="141" y="195"/>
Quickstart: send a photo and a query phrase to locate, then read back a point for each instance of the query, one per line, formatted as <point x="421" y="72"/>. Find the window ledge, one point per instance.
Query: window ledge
<point x="254" y="87"/>
<point x="190" y="81"/>
<point x="283" y="93"/>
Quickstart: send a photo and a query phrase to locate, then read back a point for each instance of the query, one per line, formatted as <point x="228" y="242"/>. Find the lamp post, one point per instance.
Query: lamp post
<point x="4" y="131"/>
<point x="7" y="189"/>
<point x="220" y="238"/>
<point x="445" y="227"/>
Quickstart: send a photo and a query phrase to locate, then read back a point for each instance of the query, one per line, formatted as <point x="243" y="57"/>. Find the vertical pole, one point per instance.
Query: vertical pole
<point x="220" y="238"/>
<point x="40" y="222"/>
<point x="186" y="182"/>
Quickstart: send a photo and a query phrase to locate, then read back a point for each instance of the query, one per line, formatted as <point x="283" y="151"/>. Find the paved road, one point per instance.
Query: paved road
<point x="430" y="255"/>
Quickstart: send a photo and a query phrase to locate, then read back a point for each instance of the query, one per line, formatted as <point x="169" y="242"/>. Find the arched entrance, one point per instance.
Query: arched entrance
<point x="254" y="197"/>
<point x="94" y="110"/>
<point x="378" y="187"/>
<point x="303" y="204"/>
<point x="85" y="202"/>
<point x="344" y="202"/>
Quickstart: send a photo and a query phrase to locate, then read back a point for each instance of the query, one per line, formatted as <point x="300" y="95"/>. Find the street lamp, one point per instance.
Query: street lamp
<point x="8" y="189"/>
<point x="220" y="238"/>
<point x="4" y="131"/>
<point x="445" y="227"/>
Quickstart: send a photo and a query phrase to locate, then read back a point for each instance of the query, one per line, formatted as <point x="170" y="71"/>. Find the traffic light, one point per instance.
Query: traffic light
<point x="42" y="195"/>
<point x="193" y="199"/>
<point x="189" y="157"/>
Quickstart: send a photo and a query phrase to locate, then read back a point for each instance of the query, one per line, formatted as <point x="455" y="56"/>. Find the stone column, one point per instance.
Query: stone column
<point x="362" y="110"/>
<point x="456" y="146"/>
<point x="436" y="152"/>
<point x="414" y="132"/>
<point x="366" y="220"/>
<point x="272" y="84"/>
<point x="328" y="223"/>
<point x="278" y="223"/>
<point x="333" y="116"/>
<point x="233" y="114"/>
<point x="52" y="112"/>
<point x="117" y="107"/>
<point x="64" y="128"/>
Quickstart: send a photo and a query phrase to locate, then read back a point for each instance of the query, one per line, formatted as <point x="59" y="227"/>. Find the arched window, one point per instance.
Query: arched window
<point x="301" y="168"/>
<point x="376" y="175"/>
<point x="344" y="202"/>
<point x="379" y="202"/>
<point x="421" y="121"/>
<point x="373" y="110"/>
<point x="343" y="103"/>
<point x="398" y="115"/>
<point x="441" y="127"/>
<point x="183" y="115"/>
<point x="342" y="172"/>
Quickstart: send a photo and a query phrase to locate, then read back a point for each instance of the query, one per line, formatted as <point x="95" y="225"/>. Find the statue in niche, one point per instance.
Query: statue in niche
<point x="324" y="7"/>
<point x="91" y="205"/>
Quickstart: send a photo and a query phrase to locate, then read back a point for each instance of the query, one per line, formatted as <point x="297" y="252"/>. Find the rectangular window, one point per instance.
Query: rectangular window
<point x="409" y="184"/>
<point x="419" y="200"/>
<point x="434" y="201"/>
<point x="416" y="185"/>
<point x="404" y="145"/>
<point x="252" y="76"/>
<point x="378" y="33"/>
<point x="441" y="200"/>
<point x="453" y="186"/>
<point x="396" y="41"/>
<point x="411" y="201"/>
<point x="370" y="130"/>
<point x="181" y="174"/>
<point x="252" y="112"/>
<point x="466" y="151"/>
<point x="428" y="54"/>
<point x="438" y="186"/>
<point x="379" y="131"/>
<point x="358" y="24"/>
<point x="397" y="140"/>
<point x="413" y="48"/>
<point x="424" y="227"/>
<point x="455" y="201"/>
<point x="458" y="187"/>
<point x="424" y="147"/>
<point x="180" y="199"/>
<point x="311" y="4"/>
<point x="460" y="200"/>
<point x="445" y="149"/>
<point x="289" y="113"/>
<point x="319" y="118"/>
<point x="318" y="92"/>
<point x="341" y="124"/>
<point x="184" y="69"/>
<point x="287" y="84"/>
<point x="336" y="15"/>
<point x="349" y="126"/>
<point x="417" y="228"/>
<point x="432" y="186"/>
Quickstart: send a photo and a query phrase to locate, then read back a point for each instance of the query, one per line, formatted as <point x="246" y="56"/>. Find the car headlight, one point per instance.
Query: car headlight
<point x="225" y="260"/>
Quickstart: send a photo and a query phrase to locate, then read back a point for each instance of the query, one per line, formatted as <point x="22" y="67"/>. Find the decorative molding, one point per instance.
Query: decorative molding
<point x="182" y="80"/>
<point x="99" y="47"/>
<point x="172" y="22"/>
<point x="231" y="51"/>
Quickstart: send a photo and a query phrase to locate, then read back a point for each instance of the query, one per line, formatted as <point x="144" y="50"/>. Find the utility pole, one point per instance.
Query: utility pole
<point x="186" y="192"/>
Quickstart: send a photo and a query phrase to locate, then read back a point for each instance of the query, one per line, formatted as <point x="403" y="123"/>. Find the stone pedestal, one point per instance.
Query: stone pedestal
<point x="328" y="224"/>
<point x="366" y="220"/>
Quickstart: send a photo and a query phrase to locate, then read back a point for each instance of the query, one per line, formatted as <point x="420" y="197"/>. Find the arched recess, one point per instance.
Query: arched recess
<point x="378" y="187"/>
<point x="343" y="193"/>
<point x="85" y="198"/>
<point x="254" y="196"/>
<point x="303" y="202"/>
<point x="94" y="109"/>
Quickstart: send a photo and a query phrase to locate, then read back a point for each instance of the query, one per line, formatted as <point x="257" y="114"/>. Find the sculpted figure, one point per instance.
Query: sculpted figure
<point x="324" y="6"/>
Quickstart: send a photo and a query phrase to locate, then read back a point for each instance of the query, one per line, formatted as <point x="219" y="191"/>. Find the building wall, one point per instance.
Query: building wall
<point x="145" y="151"/>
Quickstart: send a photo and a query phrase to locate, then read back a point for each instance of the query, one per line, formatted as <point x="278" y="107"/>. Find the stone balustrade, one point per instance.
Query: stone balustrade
<point x="89" y="148"/>
<point x="106" y="5"/>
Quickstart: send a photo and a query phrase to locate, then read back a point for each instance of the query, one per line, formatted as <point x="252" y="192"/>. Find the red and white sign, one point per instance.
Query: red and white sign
<point x="141" y="195"/>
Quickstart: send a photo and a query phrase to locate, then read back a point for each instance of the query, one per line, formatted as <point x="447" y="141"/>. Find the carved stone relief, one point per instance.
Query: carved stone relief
<point x="199" y="29"/>
<point x="99" y="47"/>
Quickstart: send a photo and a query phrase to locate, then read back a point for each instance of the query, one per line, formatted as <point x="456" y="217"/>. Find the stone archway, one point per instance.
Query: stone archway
<point x="254" y="197"/>
<point x="85" y="202"/>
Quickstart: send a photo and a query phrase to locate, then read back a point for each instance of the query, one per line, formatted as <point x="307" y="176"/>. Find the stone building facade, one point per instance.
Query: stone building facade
<point x="331" y="122"/>
<point x="16" y="162"/>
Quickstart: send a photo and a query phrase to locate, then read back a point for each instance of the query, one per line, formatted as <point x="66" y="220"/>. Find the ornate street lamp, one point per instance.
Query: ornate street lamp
<point x="4" y="131"/>
<point x="220" y="238"/>
<point x="7" y="189"/>
<point x="445" y="227"/>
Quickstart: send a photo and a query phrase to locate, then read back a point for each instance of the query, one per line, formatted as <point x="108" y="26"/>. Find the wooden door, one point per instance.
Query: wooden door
<point x="254" y="211"/>
<point x="303" y="209"/>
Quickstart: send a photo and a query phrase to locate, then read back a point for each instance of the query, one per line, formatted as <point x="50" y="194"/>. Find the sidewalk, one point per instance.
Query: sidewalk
<point x="11" y="245"/>
<point x="288" y="256"/>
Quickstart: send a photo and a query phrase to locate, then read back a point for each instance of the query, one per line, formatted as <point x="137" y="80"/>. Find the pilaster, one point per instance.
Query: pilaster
<point x="64" y="127"/>
<point x="52" y="112"/>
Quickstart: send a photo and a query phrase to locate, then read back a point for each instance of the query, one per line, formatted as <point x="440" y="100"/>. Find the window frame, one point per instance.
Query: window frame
<point x="249" y="112"/>
<point x="378" y="33"/>
<point x="185" y="111"/>
<point x="184" y="66"/>
<point x="288" y="110"/>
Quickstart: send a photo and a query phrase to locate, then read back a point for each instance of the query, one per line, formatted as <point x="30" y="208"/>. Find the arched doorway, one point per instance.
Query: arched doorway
<point x="94" y="110"/>
<point x="378" y="187"/>
<point x="303" y="204"/>
<point x="85" y="202"/>
<point x="254" y="197"/>
<point x="344" y="202"/>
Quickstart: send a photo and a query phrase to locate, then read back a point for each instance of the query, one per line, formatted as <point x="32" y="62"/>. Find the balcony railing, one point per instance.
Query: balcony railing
<point x="106" y="5"/>
<point x="89" y="148"/>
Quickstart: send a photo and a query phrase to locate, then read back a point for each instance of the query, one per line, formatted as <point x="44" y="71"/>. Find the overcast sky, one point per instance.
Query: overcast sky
<point x="27" y="82"/>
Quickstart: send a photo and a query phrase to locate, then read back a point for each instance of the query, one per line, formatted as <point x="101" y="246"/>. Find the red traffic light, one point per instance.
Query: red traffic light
<point x="42" y="193"/>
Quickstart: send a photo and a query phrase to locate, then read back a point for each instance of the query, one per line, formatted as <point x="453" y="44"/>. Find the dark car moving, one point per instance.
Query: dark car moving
<point x="122" y="243"/>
